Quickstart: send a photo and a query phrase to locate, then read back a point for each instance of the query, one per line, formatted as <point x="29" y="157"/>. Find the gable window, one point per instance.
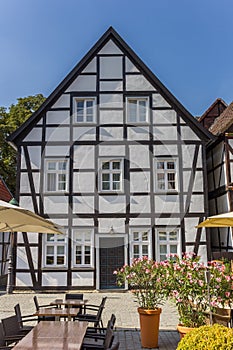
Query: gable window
<point x="83" y="248"/>
<point x="111" y="174"/>
<point x="140" y="243"/>
<point x="137" y="109"/>
<point x="56" y="173"/>
<point x="85" y="110"/>
<point x="167" y="243"/>
<point x="166" y="175"/>
<point x="55" y="250"/>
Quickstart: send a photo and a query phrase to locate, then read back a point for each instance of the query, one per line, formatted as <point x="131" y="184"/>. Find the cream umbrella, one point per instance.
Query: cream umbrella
<point x="17" y="219"/>
<point x="221" y="220"/>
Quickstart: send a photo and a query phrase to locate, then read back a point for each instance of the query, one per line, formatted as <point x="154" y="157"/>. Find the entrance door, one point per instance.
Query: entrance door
<point x="111" y="258"/>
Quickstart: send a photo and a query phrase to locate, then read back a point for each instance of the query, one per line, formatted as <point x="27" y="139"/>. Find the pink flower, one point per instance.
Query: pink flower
<point x="227" y="294"/>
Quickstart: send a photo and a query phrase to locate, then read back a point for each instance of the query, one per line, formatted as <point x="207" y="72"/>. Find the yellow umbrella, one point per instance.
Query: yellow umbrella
<point x="221" y="220"/>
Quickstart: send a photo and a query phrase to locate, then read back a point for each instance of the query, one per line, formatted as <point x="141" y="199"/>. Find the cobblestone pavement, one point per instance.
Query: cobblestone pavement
<point x="122" y="304"/>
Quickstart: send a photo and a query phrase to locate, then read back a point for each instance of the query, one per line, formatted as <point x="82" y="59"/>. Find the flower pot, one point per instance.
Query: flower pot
<point x="183" y="330"/>
<point x="149" y="326"/>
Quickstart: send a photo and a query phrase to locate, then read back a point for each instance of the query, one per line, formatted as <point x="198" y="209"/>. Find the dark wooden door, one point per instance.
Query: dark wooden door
<point x="111" y="258"/>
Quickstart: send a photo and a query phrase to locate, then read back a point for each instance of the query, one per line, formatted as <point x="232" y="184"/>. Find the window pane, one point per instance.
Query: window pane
<point x="51" y="182"/>
<point x="170" y="165"/>
<point x="163" y="249"/>
<point x="62" y="165"/>
<point x="145" y="236"/>
<point x="145" y="250"/>
<point x="89" y="111"/>
<point x="173" y="249"/>
<point x="160" y="165"/>
<point x="60" y="260"/>
<point x="106" y="186"/>
<point x="49" y="260"/>
<point x="51" y="165"/>
<point x="173" y="236"/>
<point x="105" y="165"/>
<point x="61" y="182"/>
<point x="136" y="250"/>
<point x="116" y="177"/>
<point x="50" y="250"/>
<point x="105" y="177"/>
<point x="60" y="250"/>
<point x="50" y="237"/>
<point x="80" y="111"/>
<point x="136" y="236"/>
<point x="142" y="111"/>
<point x="116" y="165"/>
<point x="116" y="186"/>
<point x="162" y="236"/>
<point x="132" y="110"/>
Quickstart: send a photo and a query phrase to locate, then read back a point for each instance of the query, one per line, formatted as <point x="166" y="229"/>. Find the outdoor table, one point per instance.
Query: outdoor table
<point x="57" y="313"/>
<point x="54" y="335"/>
<point x="68" y="302"/>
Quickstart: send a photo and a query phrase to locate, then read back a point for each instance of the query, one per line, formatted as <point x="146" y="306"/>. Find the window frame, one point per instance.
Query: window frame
<point x="167" y="242"/>
<point x="166" y="171"/>
<point x="111" y="171"/>
<point x="57" y="172"/>
<point x="137" y="99"/>
<point x="85" y="99"/>
<point x="55" y="243"/>
<point x="83" y="244"/>
<point x="140" y="242"/>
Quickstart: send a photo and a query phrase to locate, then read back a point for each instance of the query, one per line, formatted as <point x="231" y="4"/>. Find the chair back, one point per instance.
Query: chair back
<point x="10" y="325"/>
<point x="108" y="340"/>
<point x="2" y="341"/>
<point x="36" y="303"/>
<point x="74" y="296"/>
<point x="19" y="315"/>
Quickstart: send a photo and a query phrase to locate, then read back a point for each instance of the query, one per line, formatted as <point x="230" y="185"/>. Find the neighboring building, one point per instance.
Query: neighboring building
<point x="113" y="157"/>
<point x="213" y="112"/>
<point x="220" y="175"/>
<point x="5" y="195"/>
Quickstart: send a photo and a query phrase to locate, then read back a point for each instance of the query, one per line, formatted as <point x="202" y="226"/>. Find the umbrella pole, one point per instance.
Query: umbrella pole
<point x="10" y="277"/>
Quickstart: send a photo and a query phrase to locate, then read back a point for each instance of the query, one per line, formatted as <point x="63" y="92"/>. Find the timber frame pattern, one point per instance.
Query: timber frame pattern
<point x="188" y="205"/>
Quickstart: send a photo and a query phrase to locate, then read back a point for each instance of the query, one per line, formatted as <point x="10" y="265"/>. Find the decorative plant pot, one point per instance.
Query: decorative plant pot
<point x="149" y="326"/>
<point x="183" y="330"/>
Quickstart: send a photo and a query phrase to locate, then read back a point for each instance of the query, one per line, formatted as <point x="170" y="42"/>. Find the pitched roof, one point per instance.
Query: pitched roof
<point x="223" y="122"/>
<point x="211" y="108"/>
<point x="15" y="137"/>
<point x="5" y="194"/>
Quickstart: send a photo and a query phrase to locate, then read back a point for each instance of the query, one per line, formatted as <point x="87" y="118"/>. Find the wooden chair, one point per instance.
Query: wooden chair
<point x="222" y="316"/>
<point x="93" y="313"/>
<point x="43" y="318"/>
<point x="22" y="319"/>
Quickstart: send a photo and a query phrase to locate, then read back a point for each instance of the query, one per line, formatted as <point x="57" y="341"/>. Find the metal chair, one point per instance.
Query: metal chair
<point x="11" y="330"/>
<point x="3" y="345"/>
<point x="43" y="318"/>
<point x="73" y="296"/>
<point x="94" y="343"/>
<point x="22" y="319"/>
<point x="101" y="331"/>
<point x="93" y="313"/>
<point x="115" y="346"/>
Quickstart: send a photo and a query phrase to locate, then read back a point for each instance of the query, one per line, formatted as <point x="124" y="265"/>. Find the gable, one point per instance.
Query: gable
<point x="111" y="70"/>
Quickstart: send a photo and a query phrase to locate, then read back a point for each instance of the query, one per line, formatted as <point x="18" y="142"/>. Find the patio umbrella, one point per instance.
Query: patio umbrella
<point x="221" y="220"/>
<point x="13" y="219"/>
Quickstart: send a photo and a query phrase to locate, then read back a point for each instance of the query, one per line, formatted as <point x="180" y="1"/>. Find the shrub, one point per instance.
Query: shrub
<point x="216" y="337"/>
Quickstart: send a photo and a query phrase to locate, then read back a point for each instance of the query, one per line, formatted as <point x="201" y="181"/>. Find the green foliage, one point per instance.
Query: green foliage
<point x="146" y="278"/>
<point x="10" y="120"/>
<point x="216" y="337"/>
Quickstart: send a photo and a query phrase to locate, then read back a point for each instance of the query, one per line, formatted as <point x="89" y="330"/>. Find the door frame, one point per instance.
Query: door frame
<point x="104" y="235"/>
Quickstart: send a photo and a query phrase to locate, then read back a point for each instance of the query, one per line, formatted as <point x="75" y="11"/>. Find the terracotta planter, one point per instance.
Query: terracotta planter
<point x="183" y="330"/>
<point x="149" y="326"/>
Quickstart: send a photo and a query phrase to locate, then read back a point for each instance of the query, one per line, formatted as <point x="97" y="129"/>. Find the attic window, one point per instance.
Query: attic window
<point x="85" y="110"/>
<point x="137" y="110"/>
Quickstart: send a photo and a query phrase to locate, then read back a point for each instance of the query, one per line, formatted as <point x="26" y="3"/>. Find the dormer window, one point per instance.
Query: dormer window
<point x="85" y="110"/>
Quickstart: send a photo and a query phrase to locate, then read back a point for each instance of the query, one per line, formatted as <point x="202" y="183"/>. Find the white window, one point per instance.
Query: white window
<point x="55" y="250"/>
<point x="56" y="173"/>
<point x="168" y="243"/>
<point x="137" y="110"/>
<point x="140" y="243"/>
<point x="85" y="110"/>
<point x="166" y="175"/>
<point x="83" y="247"/>
<point x="111" y="175"/>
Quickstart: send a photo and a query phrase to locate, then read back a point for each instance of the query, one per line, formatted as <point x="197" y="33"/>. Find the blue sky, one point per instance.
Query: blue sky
<point x="187" y="44"/>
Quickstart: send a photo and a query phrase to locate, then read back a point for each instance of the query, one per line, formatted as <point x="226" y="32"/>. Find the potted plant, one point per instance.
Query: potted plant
<point x="146" y="278"/>
<point x="187" y="286"/>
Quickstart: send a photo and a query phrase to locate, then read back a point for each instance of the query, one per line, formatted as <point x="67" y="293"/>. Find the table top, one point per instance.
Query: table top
<point x="43" y="311"/>
<point x="53" y="335"/>
<point x="68" y="302"/>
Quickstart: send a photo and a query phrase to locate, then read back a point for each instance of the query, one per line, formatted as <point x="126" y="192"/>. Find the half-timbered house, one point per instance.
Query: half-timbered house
<point x="117" y="160"/>
<point x="220" y="174"/>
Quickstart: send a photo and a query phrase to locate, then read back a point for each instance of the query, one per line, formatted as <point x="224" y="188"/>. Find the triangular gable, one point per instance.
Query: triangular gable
<point x="110" y="43"/>
<point x="224" y="122"/>
<point x="213" y="112"/>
